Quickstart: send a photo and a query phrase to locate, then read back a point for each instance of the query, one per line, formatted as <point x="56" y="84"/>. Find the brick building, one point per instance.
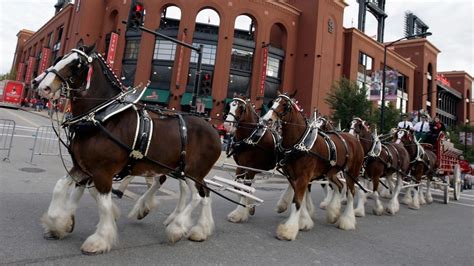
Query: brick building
<point x="302" y="42"/>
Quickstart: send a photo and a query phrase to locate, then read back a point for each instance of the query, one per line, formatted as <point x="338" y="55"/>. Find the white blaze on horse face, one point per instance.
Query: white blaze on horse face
<point x="229" y="123"/>
<point x="50" y="85"/>
<point x="270" y="115"/>
<point x="399" y="137"/>
<point x="353" y="123"/>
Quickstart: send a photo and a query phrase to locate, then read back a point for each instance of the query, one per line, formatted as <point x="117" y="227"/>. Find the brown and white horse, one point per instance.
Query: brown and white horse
<point x="423" y="163"/>
<point x="381" y="159"/>
<point x="253" y="146"/>
<point x="302" y="166"/>
<point x="97" y="156"/>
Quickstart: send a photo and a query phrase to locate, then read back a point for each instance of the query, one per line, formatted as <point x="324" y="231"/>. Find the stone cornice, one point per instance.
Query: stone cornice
<point x="282" y="6"/>
<point x="417" y="42"/>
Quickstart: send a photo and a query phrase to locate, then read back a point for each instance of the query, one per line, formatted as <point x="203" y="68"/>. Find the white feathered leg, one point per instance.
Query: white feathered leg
<point x="387" y="193"/>
<point x="333" y="210"/>
<point x="240" y="214"/>
<point x="181" y="224"/>
<point x="361" y="200"/>
<point x="378" y="208"/>
<point x="205" y="224"/>
<point x="57" y="221"/>
<point x="429" y="198"/>
<point x="306" y="222"/>
<point x="415" y="204"/>
<point x="147" y="201"/>
<point x="347" y="221"/>
<point x="289" y="229"/>
<point x="105" y="235"/>
<point x="309" y="203"/>
<point x="407" y="199"/>
<point x="328" y="197"/>
<point x="422" y="195"/>
<point x="183" y="198"/>
<point x="393" y="205"/>
<point x="285" y="199"/>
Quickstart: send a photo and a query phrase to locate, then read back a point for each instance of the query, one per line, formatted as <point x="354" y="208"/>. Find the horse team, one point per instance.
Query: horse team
<point x="187" y="147"/>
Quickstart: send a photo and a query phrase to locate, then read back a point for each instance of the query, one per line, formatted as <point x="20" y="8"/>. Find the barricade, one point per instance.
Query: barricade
<point x="7" y="129"/>
<point x="45" y="143"/>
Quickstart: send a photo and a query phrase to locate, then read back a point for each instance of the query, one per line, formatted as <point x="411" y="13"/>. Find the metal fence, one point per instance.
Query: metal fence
<point x="45" y="143"/>
<point x="7" y="129"/>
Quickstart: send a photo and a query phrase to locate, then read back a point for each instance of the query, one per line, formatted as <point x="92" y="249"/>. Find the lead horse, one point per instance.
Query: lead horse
<point x="183" y="145"/>
<point x="307" y="159"/>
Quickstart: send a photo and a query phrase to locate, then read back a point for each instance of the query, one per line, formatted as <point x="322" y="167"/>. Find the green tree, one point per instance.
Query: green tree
<point x="347" y="100"/>
<point x="391" y="117"/>
<point x="459" y="143"/>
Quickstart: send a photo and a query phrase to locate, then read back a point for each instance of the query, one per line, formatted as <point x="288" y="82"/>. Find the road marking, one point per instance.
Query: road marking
<point x="22" y="118"/>
<point x="456" y="203"/>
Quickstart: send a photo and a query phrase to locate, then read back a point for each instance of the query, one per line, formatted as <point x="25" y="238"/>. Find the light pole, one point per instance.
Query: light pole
<point x="382" y="107"/>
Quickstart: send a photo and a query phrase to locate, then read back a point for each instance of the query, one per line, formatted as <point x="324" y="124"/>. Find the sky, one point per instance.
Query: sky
<point x="450" y="21"/>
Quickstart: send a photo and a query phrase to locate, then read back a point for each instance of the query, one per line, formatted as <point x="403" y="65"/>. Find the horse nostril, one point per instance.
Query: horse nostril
<point x="47" y="89"/>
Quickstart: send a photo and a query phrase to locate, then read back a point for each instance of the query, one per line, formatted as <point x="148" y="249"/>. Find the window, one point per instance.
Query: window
<point x="208" y="54"/>
<point x="365" y="71"/>
<point x="131" y="49"/>
<point x="164" y="50"/>
<point x="241" y="60"/>
<point x="160" y="77"/>
<point x="273" y="67"/>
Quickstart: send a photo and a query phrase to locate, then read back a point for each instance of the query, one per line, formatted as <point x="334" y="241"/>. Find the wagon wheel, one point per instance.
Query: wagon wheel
<point x="457" y="182"/>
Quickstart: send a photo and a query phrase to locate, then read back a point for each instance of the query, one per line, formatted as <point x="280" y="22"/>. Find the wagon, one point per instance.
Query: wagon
<point x="449" y="171"/>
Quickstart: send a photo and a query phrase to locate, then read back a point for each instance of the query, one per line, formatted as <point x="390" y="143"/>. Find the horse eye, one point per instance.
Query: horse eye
<point x="234" y="104"/>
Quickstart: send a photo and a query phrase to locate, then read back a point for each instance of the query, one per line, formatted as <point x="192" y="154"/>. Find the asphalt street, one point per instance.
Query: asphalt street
<point x="437" y="234"/>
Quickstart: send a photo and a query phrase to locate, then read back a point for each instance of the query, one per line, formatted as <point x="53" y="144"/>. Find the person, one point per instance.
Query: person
<point x="405" y="124"/>
<point x="465" y="169"/>
<point x="435" y="128"/>
<point x="422" y="129"/>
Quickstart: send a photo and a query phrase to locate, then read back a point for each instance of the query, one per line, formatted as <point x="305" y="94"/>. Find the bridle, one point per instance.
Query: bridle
<point x="287" y="109"/>
<point x="84" y="63"/>
<point x="239" y="101"/>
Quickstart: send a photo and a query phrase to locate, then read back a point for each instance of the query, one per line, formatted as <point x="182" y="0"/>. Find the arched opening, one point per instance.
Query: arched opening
<point x="275" y="61"/>
<point x="206" y="32"/>
<point x="243" y="48"/>
<point x="163" y="57"/>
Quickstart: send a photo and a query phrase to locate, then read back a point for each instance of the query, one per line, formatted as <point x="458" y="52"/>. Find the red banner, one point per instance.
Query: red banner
<point x="29" y="69"/>
<point x="20" y="71"/>
<point x="44" y="63"/>
<point x="112" y="48"/>
<point x="264" y="70"/>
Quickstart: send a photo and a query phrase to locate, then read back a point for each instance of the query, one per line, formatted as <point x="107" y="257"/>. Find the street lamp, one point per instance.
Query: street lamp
<point x="382" y="108"/>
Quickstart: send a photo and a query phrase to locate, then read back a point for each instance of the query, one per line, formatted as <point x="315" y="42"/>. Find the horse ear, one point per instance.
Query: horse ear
<point x="88" y="49"/>
<point x="293" y="94"/>
<point x="235" y="95"/>
<point x="279" y="92"/>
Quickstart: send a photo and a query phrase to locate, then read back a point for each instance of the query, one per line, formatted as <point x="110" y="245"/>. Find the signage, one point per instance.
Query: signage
<point x="44" y="63"/>
<point x="443" y="80"/>
<point x="180" y="58"/>
<point x="112" y="48"/>
<point x="20" y="71"/>
<point x="29" y="69"/>
<point x="200" y="107"/>
<point x="13" y="92"/>
<point x="264" y="70"/>
<point x="391" y="85"/>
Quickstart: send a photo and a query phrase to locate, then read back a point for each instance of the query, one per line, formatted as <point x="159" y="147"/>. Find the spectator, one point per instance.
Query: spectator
<point x="33" y="102"/>
<point x="422" y="129"/>
<point x="435" y="128"/>
<point x="50" y="108"/>
<point x="465" y="169"/>
<point x="405" y="124"/>
<point x="39" y="105"/>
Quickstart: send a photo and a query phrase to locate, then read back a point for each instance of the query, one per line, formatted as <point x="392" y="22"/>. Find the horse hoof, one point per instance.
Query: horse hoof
<point x="252" y="210"/>
<point x="50" y="236"/>
<point x="73" y="223"/>
<point x="285" y="232"/>
<point x="143" y="215"/>
<point x="84" y="252"/>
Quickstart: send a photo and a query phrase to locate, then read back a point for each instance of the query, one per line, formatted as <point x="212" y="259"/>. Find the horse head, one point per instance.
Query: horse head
<point x="74" y="75"/>
<point x="326" y="124"/>
<point x="67" y="72"/>
<point x="403" y="136"/>
<point x="238" y="109"/>
<point x="282" y="109"/>
<point x="359" y="127"/>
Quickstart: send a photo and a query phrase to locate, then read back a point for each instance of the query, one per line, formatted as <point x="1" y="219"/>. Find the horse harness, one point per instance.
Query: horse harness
<point x="96" y="117"/>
